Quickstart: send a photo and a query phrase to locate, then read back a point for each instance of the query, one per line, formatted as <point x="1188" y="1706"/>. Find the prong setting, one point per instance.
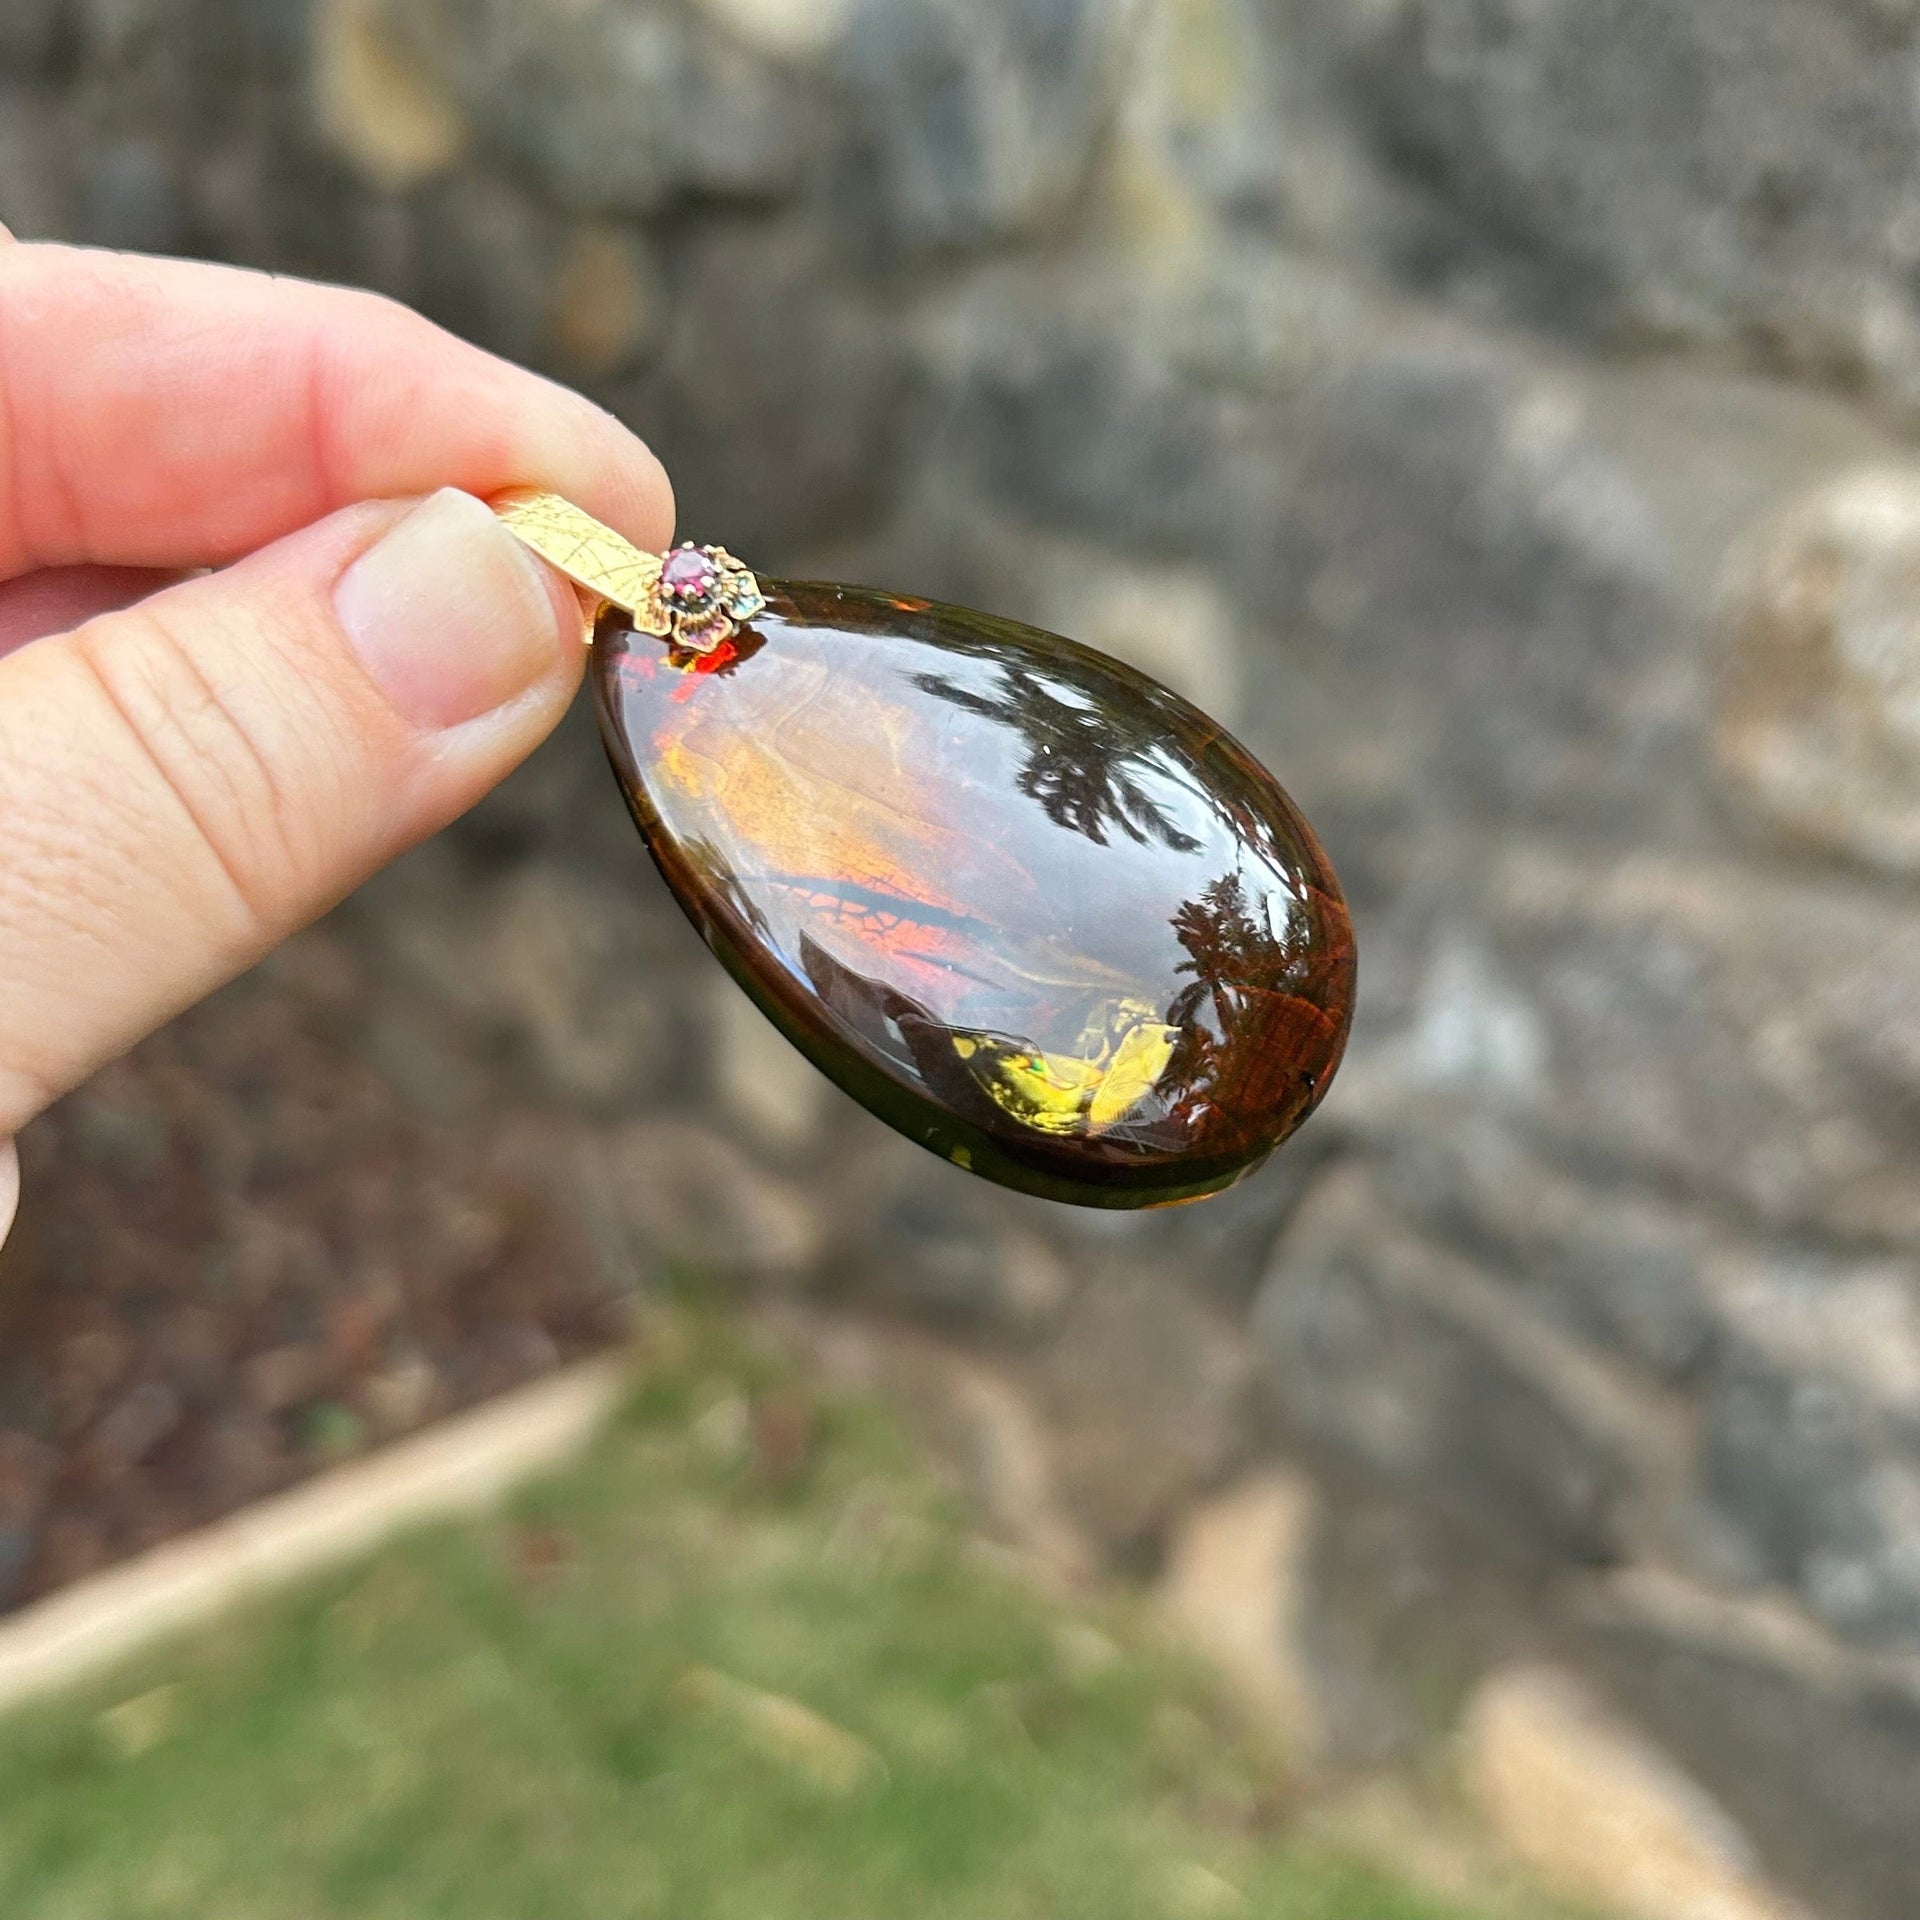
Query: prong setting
<point x="695" y="598"/>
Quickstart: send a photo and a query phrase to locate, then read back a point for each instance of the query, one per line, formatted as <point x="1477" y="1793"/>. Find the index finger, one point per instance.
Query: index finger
<point x="163" y="413"/>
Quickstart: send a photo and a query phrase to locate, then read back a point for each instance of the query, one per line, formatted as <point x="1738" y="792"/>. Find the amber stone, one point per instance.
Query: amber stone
<point x="1031" y="908"/>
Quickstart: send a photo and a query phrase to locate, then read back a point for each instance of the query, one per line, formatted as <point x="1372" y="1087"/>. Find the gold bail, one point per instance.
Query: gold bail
<point x="589" y="554"/>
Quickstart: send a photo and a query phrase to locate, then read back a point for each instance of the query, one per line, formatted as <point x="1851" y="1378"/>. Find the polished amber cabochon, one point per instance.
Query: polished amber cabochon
<point x="1034" y="910"/>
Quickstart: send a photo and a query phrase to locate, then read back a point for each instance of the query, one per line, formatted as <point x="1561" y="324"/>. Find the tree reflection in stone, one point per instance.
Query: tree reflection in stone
<point x="1082" y="759"/>
<point x="1246" y="972"/>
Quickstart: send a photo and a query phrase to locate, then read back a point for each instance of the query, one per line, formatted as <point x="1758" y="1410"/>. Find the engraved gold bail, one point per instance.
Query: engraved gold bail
<point x="695" y="598"/>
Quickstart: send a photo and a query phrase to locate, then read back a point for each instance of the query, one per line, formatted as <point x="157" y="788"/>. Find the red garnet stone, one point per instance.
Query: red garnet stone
<point x="688" y="575"/>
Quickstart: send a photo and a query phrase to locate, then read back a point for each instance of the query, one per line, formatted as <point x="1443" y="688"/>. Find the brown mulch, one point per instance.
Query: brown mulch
<point x="243" y="1254"/>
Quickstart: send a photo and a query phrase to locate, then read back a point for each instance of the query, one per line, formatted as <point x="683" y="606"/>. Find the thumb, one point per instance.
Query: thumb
<point x="186" y="782"/>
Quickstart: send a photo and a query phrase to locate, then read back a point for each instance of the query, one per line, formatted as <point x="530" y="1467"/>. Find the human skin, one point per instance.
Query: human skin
<point x="257" y="633"/>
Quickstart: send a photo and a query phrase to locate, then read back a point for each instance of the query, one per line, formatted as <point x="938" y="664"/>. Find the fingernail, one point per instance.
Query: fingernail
<point x="452" y="616"/>
<point x="9" y="1188"/>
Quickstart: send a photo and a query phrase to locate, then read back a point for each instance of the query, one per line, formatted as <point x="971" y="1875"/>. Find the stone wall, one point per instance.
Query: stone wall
<point x="1493" y="410"/>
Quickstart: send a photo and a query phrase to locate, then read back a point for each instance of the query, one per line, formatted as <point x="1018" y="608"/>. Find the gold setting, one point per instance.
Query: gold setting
<point x="694" y="598"/>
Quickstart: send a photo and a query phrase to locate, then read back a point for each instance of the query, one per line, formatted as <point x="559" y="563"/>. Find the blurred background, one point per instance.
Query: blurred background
<point x="1497" y="412"/>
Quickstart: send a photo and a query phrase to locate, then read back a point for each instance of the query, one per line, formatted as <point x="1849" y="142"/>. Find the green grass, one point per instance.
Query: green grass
<point x="696" y="1678"/>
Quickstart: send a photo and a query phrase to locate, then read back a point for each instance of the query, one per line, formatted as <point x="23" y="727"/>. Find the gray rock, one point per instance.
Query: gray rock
<point x="35" y="183"/>
<point x="1206" y="111"/>
<point x="607" y="307"/>
<point x="954" y="1257"/>
<point x="1819" y="695"/>
<point x="1848" y="1318"/>
<point x="1379" y="1350"/>
<point x="622" y="108"/>
<point x="1747" y="1037"/>
<point x="1149" y="1393"/>
<point x="31" y="32"/>
<point x="1714" y="172"/>
<point x="483" y="258"/>
<point x="1397" y="1625"/>
<point x="1233" y="1583"/>
<point x="1616" y="1266"/>
<point x="783" y="29"/>
<point x="1824" y="1776"/>
<point x="696" y="1201"/>
<point x="379" y="108"/>
<point x="1828" y="1490"/>
<point x="1411" y="515"/>
<point x="1076" y="414"/>
<point x="980" y="119"/>
<point x="785" y="400"/>
<point x="1599" y="1812"/>
<point x="766" y="1086"/>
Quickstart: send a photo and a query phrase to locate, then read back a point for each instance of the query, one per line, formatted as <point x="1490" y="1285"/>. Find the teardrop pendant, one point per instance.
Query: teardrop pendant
<point x="1031" y="908"/>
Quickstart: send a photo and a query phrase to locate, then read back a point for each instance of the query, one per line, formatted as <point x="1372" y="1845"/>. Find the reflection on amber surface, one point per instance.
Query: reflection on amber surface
<point x="1081" y="757"/>
<point x="1036" y="911"/>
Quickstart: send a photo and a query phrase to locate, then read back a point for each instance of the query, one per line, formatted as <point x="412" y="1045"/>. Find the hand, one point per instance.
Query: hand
<point x="195" y="764"/>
